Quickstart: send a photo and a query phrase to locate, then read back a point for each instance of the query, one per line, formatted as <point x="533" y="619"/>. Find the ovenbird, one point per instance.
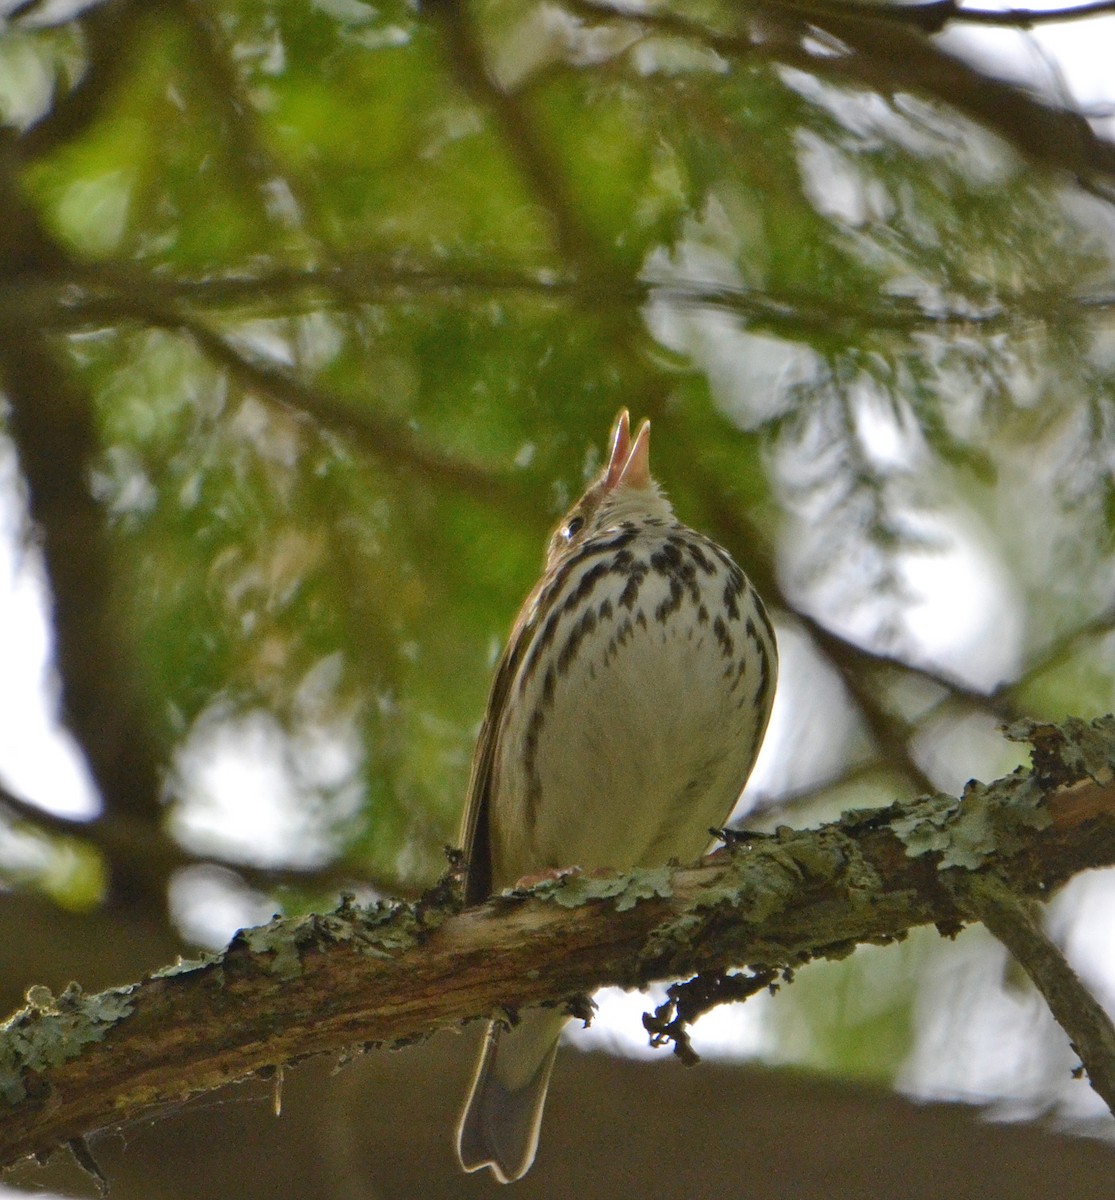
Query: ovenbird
<point x="625" y="716"/>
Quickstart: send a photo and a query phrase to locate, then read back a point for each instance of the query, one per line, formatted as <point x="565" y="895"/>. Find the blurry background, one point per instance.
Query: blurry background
<point x="313" y="317"/>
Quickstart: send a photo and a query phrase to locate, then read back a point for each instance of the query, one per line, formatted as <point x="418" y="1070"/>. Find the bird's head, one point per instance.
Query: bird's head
<point x="623" y="491"/>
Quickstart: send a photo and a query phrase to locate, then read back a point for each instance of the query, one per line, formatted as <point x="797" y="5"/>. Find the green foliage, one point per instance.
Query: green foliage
<point x="855" y="1017"/>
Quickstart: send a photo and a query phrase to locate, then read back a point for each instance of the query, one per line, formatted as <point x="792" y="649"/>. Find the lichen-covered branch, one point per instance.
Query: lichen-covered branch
<point x="75" y="1063"/>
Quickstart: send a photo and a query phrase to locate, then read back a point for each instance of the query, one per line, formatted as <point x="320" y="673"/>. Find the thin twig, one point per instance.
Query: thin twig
<point x="933" y="15"/>
<point x="1013" y="921"/>
<point x="1058" y="650"/>
<point x="388" y="440"/>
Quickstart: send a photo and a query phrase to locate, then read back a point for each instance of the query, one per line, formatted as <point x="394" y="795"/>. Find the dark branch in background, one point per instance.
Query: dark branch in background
<point x="888" y="730"/>
<point x="530" y="148"/>
<point x="901" y="59"/>
<point x="887" y="57"/>
<point x="52" y="425"/>
<point x="75" y="1063"/>
<point x="103" y="704"/>
<point x="243" y="146"/>
<point x="1000" y="704"/>
<point x="112" y="32"/>
<point x="247" y="146"/>
<point x="151" y="855"/>
<point x="387" y="440"/>
<point x="542" y="175"/>
<point x="91" y="294"/>
<point x="933" y="15"/>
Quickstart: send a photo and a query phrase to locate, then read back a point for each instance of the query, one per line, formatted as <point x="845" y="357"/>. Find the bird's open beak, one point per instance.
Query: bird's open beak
<point x="621" y="445"/>
<point x="629" y="462"/>
<point x="636" y="471"/>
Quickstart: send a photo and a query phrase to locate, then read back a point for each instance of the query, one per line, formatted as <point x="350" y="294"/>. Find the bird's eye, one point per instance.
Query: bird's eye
<point x="573" y="527"/>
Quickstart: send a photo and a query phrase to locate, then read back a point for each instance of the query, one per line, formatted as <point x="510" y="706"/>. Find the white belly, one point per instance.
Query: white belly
<point x="645" y="731"/>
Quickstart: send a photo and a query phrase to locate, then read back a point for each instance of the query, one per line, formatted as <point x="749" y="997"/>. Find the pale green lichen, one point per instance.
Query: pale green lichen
<point x="972" y="832"/>
<point x="1081" y="749"/>
<point x="761" y="880"/>
<point x="185" y="966"/>
<point x="815" y="855"/>
<point x="648" y="883"/>
<point x="924" y="827"/>
<point x="670" y="936"/>
<point x="575" y="889"/>
<point x="280" y="939"/>
<point x="40" y="998"/>
<point x="757" y="884"/>
<point x="988" y="819"/>
<point x="53" y="1029"/>
<point x="387" y="930"/>
<point x="383" y="930"/>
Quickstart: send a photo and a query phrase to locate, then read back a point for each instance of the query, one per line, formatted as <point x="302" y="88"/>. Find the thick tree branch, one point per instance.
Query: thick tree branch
<point x="73" y="1064"/>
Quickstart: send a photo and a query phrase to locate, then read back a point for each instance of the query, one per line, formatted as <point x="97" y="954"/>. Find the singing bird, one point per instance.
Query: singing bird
<point x="626" y="713"/>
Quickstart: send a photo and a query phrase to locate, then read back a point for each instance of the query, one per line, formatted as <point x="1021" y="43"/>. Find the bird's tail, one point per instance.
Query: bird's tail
<point x="499" y="1125"/>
